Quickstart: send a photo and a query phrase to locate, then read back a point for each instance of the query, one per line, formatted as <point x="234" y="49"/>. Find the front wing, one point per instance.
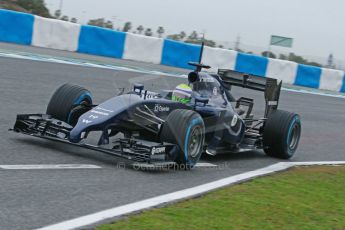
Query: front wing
<point x="46" y="127"/>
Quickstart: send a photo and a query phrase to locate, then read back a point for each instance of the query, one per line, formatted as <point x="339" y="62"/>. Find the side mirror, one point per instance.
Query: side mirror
<point x="138" y="88"/>
<point x="193" y="77"/>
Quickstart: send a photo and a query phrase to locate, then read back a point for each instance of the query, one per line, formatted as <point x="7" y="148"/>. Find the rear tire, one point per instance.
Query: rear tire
<point x="69" y="102"/>
<point x="186" y="129"/>
<point x="281" y="135"/>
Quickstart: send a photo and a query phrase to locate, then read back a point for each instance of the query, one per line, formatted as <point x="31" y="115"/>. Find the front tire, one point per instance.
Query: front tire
<point x="186" y="129"/>
<point x="69" y="102"/>
<point x="282" y="132"/>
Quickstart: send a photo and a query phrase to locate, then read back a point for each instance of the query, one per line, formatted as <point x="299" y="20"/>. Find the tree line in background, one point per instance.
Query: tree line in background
<point x="38" y="7"/>
<point x="291" y="57"/>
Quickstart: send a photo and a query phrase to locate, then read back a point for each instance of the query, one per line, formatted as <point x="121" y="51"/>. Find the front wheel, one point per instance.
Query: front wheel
<point x="69" y="102"/>
<point x="186" y="129"/>
<point x="282" y="132"/>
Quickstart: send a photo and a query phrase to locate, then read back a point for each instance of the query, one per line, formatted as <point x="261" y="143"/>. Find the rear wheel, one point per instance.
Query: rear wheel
<point x="186" y="129"/>
<point x="282" y="132"/>
<point x="69" y="102"/>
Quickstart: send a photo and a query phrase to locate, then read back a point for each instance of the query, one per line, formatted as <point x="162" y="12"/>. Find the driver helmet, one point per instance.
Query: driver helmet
<point x="182" y="93"/>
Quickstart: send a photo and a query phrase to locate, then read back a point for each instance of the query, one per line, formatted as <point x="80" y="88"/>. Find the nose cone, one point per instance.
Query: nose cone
<point x="98" y="117"/>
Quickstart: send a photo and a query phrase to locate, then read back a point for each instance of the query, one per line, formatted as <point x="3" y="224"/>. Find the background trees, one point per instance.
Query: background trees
<point x="268" y="54"/>
<point x="37" y="7"/>
<point x="148" y="32"/>
<point x="140" y="29"/>
<point x="74" y="20"/>
<point x="160" y="31"/>
<point x="101" y="22"/>
<point x="127" y="27"/>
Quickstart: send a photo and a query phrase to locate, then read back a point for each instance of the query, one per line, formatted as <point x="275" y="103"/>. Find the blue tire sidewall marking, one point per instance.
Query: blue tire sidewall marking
<point x="195" y="121"/>
<point x="78" y="101"/>
<point x="294" y="121"/>
<point x="82" y="97"/>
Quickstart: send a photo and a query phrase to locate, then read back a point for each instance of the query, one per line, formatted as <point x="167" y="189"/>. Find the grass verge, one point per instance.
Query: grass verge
<point x="300" y="198"/>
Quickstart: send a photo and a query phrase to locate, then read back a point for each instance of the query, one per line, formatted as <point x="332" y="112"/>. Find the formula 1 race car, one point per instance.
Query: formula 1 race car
<point x="157" y="128"/>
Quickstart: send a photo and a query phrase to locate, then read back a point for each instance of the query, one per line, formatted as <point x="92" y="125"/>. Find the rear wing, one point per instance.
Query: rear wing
<point x="270" y="86"/>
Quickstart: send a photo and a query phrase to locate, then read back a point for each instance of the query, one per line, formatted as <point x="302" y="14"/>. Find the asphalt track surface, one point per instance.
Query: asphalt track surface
<point x="35" y="198"/>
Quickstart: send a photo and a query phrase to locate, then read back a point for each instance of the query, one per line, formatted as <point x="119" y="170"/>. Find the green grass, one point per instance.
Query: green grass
<point x="301" y="198"/>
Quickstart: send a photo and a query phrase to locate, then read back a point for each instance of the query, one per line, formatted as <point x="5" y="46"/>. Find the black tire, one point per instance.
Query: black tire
<point x="68" y="102"/>
<point x="281" y="135"/>
<point x="185" y="128"/>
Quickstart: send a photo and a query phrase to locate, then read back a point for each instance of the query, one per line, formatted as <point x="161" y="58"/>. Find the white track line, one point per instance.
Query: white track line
<point x="175" y="196"/>
<point x="205" y="165"/>
<point x="49" y="166"/>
